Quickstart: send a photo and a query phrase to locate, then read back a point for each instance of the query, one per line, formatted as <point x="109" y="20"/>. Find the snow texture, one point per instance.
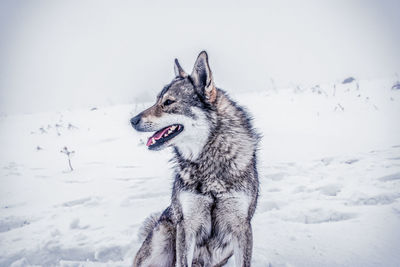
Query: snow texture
<point x="329" y="167"/>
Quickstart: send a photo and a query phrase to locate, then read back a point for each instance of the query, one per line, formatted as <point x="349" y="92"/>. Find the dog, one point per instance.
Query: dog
<point x="216" y="185"/>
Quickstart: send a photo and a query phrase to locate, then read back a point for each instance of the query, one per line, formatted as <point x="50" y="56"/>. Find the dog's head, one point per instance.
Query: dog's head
<point x="181" y="115"/>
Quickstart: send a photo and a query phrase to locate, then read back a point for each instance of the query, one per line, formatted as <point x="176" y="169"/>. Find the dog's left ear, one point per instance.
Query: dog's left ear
<point x="179" y="72"/>
<point x="202" y="77"/>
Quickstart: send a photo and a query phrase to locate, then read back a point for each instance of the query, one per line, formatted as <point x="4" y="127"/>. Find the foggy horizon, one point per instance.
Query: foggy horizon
<point x="71" y="54"/>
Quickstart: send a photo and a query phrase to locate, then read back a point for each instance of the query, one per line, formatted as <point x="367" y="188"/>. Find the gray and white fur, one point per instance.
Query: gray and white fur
<point x="215" y="189"/>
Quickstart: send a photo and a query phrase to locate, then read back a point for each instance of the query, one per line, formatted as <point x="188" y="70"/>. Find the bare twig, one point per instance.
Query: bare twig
<point x="69" y="154"/>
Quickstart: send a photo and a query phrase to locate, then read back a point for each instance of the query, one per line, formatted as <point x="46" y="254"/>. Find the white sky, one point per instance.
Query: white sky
<point x="65" y="54"/>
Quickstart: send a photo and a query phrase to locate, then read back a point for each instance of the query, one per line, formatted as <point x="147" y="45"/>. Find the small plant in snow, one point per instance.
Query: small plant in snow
<point x="42" y="130"/>
<point x="69" y="155"/>
<point x="71" y="126"/>
<point x="58" y="127"/>
<point x="339" y="107"/>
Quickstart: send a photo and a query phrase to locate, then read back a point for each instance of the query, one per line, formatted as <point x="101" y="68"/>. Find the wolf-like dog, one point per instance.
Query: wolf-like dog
<point x="215" y="189"/>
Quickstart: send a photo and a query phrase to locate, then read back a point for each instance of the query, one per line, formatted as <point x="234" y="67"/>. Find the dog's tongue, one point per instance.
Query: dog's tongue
<point x="157" y="135"/>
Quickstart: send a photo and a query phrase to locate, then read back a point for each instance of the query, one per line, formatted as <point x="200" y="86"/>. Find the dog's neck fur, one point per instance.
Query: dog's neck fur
<point x="232" y="142"/>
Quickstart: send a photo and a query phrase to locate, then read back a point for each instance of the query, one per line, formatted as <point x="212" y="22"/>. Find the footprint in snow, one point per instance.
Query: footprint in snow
<point x="326" y="161"/>
<point x="301" y="189"/>
<point x="382" y="199"/>
<point x="111" y="253"/>
<point x="266" y="206"/>
<point x="391" y="177"/>
<point x="87" y="201"/>
<point x="75" y="224"/>
<point x="275" y="176"/>
<point x="351" y="161"/>
<point x="10" y="223"/>
<point x="317" y="216"/>
<point x="330" y="189"/>
<point x="394" y="158"/>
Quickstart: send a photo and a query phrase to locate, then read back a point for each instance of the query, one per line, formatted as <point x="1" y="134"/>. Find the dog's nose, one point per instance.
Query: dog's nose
<point x="135" y="121"/>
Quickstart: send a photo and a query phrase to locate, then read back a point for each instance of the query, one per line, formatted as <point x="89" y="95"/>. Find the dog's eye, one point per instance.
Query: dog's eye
<point x="168" y="102"/>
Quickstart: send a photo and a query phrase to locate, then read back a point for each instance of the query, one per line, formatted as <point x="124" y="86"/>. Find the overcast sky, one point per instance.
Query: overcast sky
<point x="56" y="55"/>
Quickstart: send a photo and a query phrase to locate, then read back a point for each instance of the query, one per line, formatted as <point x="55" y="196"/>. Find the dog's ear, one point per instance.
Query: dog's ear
<point x="202" y="77"/>
<point x="179" y="72"/>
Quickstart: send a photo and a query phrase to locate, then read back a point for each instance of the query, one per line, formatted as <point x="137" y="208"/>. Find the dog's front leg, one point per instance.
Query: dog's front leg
<point x="185" y="242"/>
<point x="232" y="217"/>
<point x="243" y="245"/>
<point x="194" y="221"/>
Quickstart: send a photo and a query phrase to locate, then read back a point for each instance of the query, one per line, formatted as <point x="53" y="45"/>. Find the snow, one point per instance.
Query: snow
<point x="329" y="166"/>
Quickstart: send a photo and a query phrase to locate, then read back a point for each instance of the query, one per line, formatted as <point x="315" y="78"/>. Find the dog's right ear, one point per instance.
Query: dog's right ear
<point x="179" y="72"/>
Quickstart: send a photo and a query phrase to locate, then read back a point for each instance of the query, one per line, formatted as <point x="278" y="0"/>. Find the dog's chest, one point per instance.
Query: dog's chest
<point x="209" y="181"/>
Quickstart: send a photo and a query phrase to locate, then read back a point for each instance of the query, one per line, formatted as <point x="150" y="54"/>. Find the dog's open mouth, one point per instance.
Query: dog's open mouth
<point x="163" y="135"/>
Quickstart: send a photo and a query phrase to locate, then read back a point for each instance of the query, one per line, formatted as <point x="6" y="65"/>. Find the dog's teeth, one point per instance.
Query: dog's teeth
<point x="172" y="128"/>
<point x="153" y="141"/>
<point x="169" y="131"/>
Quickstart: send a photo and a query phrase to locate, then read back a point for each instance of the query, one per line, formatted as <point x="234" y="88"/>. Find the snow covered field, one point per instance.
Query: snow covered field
<point x="329" y="167"/>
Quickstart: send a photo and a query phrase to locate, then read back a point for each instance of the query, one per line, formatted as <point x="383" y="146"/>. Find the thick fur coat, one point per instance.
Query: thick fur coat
<point x="215" y="189"/>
